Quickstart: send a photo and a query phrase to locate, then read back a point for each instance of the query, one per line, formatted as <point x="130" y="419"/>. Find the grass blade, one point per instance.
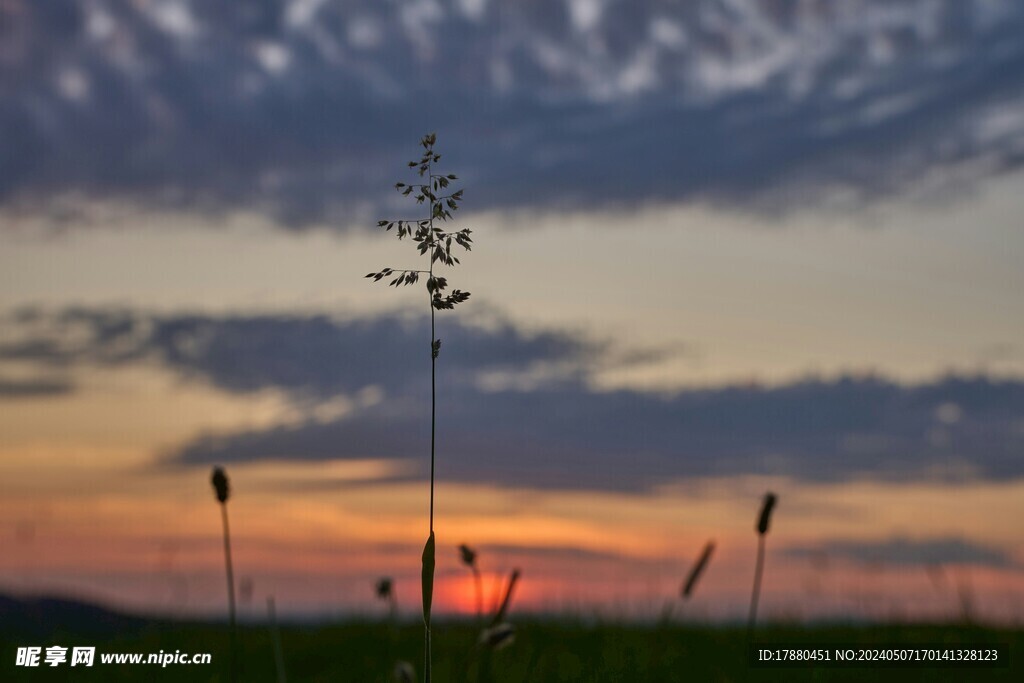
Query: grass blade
<point x="428" y="578"/>
<point x="499" y="616"/>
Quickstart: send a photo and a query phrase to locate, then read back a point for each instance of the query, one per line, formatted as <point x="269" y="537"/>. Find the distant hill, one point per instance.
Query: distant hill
<point x="45" y="616"/>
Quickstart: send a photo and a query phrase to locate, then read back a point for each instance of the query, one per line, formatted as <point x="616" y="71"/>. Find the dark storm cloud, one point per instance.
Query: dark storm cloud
<point x="314" y="356"/>
<point x="906" y="552"/>
<point x="307" y="110"/>
<point x="629" y="440"/>
<point x="555" y="430"/>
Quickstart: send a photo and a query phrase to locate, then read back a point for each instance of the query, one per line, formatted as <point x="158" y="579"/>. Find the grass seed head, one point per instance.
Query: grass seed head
<point x="468" y="555"/>
<point x="384" y="588"/>
<point x="766" y="513"/>
<point x="220" y="484"/>
<point x="698" y="569"/>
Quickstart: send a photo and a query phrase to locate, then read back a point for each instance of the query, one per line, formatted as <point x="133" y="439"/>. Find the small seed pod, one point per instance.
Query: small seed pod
<point x="220" y="484"/>
<point x="468" y="555"/>
<point x="497" y="637"/>
<point x="766" y="513"/>
<point x="384" y="588"/>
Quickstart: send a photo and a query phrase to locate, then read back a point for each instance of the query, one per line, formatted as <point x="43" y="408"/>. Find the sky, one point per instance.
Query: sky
<point x="719" y="248"/>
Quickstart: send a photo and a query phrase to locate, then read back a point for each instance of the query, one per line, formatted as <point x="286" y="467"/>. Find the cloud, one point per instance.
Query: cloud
<point x="33" y="388"/>
<point x="557" y="430"/>
<point x="573" y="437"/>
<point x="533" y="555"/>
<point x="906" y="552"/>
<point x="307" y="356"/>
<point x="306" y="111"/>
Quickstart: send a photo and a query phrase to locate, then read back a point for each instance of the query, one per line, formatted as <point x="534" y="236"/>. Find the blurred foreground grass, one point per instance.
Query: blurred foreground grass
<point x="544" y="650"/>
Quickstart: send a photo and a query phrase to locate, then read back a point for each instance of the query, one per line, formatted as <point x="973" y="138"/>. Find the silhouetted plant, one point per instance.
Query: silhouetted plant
<point x="468" y="557"/>
<point x="498" y="635"/>
<point x="695" y="573"/>
<point x="386" y="591"/>
<point x="435" y="243"/>
<point x="763" y="521"/>
<point x="689" y="584"/>
<point x="499" y="616"/>
<point x="219" y="479"/>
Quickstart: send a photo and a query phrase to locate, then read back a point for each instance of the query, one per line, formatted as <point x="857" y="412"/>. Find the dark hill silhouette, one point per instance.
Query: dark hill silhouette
<point x="44" y="616"/>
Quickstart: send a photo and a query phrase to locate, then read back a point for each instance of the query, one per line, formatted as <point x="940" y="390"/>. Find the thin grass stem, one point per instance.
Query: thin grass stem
<point x="231" y="590"/>
<point x="275" y="637"/>
<point x="756" y="595"/>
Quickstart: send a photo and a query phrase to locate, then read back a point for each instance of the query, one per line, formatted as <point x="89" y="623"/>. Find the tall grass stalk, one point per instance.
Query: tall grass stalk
<point x="763" y="521"/>
<point x="219" y="479"/>
<point x="436" y="243"/>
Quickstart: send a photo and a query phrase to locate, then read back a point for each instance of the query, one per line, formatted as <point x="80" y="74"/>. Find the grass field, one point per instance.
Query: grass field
<point x="544" y="650"/>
